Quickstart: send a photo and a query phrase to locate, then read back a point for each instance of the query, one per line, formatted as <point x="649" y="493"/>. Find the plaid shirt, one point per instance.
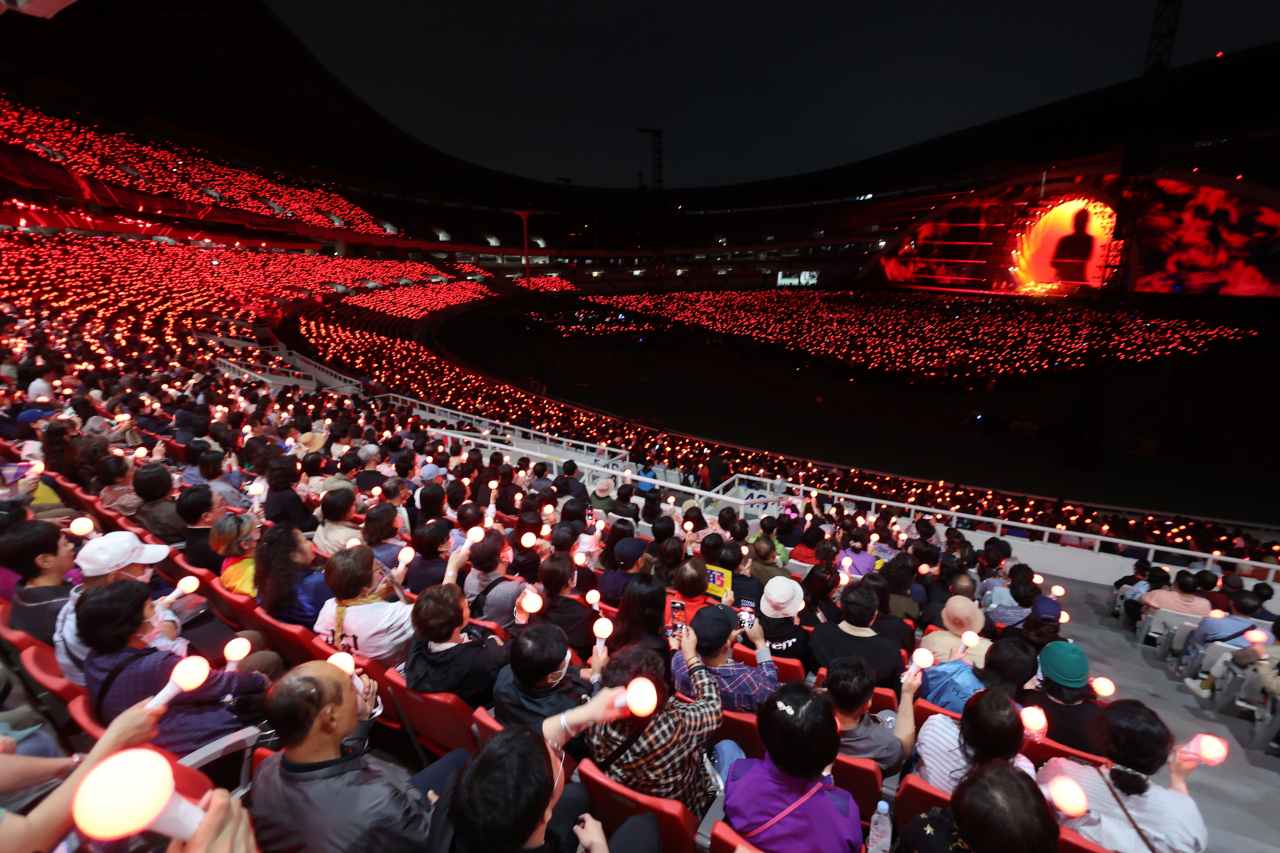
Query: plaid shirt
<point x="742" y="687"/>
<point x="666" y="761"/>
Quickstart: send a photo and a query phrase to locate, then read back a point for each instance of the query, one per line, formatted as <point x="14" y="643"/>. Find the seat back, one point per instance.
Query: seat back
<point x="485" y="723"/>
<point x="1070" y="841"/>
<point x="916" y="797"/>
<point x="612" y="803"/>
<point x="929" y="629"/>
<point x="291" y="641"/>
<point x="441" y="721"/>
<point x="862" y="778"/>
<point x="41" y="663"/>
<point x="82" y="713"/>
<point x="924" y="710"/>
<point x="883" y="699"/>
<point x="741" y="729"/>
<point x="243" y="608"/>
<point x="789" y="669"/>
<point x="1041" y="751"/>
<point x="725" y="840"/>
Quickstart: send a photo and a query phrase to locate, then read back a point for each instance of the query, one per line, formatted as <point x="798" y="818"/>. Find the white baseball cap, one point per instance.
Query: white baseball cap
<point x="782" y="598"/>
<point x="116" y="550"/>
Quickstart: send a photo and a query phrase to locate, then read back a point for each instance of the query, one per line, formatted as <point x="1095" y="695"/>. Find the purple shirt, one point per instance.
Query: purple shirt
<point x="863" y="563"/>
<point x="756" y="791"/>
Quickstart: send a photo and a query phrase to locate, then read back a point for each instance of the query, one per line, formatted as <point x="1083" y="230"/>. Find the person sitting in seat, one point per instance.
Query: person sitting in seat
<point x="282" y="503"/>
<point x="337" y="508"/>
<point x="41" y="555"/>
<point x="235" y="539"/>
<point x="359" y="619"/>
<point x="663" y="755"/>
<point x="1181" y="599"/>
<point x="1127" y="812"/>
<point x="431" y="551"/>
<point x="779" y="616"/>
<point x="200" y="508"/>
<point x="1064" y="695"/>
<point x="288" y="588"/>
<point x="444" y="658"/>
<point x="742" y="687"/>
<point x="321" y="794"/>
<point x="995" y="809"/>
<point x="989" y="728"/>
<point x="515" y="795"/>
<point x="573" y="617"/>
<point x="158" y="514"/>
<point x="787" y="800"/>
<point x="539" y="681"/>
<point x="851" y="685"/>
<point x="854" y="636"/>
<point x="117" y="621"/>
<point x="613" y="583"/>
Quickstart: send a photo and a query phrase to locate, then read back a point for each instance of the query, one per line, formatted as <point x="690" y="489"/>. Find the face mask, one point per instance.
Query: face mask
<point x="157" y="622"/>
<point x="147" y="575"/>
<point x="568" y="656"/>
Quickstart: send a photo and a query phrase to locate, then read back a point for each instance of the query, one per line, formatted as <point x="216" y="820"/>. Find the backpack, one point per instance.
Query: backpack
<point x="478" y="603"/>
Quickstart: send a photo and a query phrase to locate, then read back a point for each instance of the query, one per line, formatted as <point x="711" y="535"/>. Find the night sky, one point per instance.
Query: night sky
<point x="743" y="90"/>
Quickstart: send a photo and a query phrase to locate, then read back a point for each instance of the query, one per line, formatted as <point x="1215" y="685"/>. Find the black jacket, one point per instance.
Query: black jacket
<point x="575" y="619"/>
<point x="787" y="640"/>
<point x="467" y="670"/>
<point x="198" y="552"/>
<point x="514" y="704"/>
<point x="287" y="508"/>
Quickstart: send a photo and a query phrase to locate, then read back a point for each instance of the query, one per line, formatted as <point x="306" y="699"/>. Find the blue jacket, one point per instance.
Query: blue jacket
<point x="949" y="685"/>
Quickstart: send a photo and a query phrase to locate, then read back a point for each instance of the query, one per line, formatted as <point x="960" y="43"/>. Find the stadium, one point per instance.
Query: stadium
<point x="358" y="400"/>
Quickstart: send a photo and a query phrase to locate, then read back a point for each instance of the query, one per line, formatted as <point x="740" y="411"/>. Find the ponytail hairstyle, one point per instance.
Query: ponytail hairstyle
<point x="1136" y="739"/>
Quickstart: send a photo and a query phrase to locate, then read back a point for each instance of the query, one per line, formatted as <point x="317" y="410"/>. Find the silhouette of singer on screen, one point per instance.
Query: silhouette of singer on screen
<point x="1074" y="250"/>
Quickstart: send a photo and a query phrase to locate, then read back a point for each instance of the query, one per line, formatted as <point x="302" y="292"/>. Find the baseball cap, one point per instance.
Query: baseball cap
<point x="429" y="472"/>
<point x="368" y="451"/>
<point x="781" y="600"/>
<point x="114" y="551"/>
<point x="1065" y="664"/>
<point x="31" y="416"/>
<point x="713" y="624"/>
<point x="1045" y="609"/>
<point x="628" y="550"/>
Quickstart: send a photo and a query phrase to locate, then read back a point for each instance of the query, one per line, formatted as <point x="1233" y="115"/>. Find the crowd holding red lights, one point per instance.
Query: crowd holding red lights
<point x="419" y="300"/>
<point x="165" y="169"/>
<point x="550" y="283"/>
<point x="934" y="337"/>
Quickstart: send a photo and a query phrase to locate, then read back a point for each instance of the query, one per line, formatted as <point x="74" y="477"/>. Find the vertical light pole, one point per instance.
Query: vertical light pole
<point x="524" y="219"/>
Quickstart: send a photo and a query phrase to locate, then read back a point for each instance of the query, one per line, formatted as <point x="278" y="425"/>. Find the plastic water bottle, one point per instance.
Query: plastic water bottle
<point x="881" y="830"/>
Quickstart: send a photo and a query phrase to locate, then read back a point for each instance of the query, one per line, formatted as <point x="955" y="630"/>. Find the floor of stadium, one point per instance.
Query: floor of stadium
<point x="1159" y="437"/>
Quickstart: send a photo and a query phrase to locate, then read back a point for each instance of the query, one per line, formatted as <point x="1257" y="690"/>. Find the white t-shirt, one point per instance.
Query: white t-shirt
<point x="380" y="630"/>
<point x="1170" y="820"/>
<point x="942" y="762"/>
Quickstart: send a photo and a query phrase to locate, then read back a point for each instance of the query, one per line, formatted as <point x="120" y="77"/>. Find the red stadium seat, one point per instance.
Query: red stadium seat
<point x="741" y="729"/>
<point x="82" y="713"/>
<point x="924" y="710"/>
<point x="612" y="803"/>
<point x="915" y="798"/>
<point x="862" y="778"/>
<point x="789" y="669"/>
<point x="1041" y="751"/>
<point x="493" y="628"/>
<point x="883" y="699"/>
<point x="293" y="642"/>
<point x="725" y="840"/>
<point x="20" y="640"/>
<point x="41" y="663"/>
<point x="441" y="721"/>
<point x="1070" y="841"/>
<point x="930" y="629"/>
<point x="485" y="722"/>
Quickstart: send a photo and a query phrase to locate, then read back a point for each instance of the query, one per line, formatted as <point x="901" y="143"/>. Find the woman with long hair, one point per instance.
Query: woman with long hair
<point x="642" y="618"/>
<point x="623" y="528"/>
<point x="288" y="589"/>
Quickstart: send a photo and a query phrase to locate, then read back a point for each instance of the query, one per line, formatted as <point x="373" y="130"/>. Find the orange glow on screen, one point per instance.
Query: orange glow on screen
<point x="1033" y="258"/>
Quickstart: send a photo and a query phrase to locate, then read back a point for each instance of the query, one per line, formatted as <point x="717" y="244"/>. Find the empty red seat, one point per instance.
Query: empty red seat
<point x="441" y="721"/>
<point x="862" y="778"/>
<point x="916" y="797"/>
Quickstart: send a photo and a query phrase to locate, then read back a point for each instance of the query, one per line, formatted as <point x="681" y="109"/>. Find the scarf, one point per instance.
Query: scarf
<point x="340" y="612"/>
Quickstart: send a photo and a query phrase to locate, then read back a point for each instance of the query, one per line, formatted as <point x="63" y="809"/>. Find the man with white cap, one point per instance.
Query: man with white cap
<point x="780" y="618"/>
<point x="116" y="556"/>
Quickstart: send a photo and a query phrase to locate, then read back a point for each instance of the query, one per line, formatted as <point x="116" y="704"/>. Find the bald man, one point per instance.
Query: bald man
<point x="321" y="794"/>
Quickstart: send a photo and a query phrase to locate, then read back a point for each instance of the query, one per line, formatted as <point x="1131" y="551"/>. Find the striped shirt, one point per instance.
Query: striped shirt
<point x="1170" y="820"/>
<point x="942" y="761"/>
<point x="666" y="761"/>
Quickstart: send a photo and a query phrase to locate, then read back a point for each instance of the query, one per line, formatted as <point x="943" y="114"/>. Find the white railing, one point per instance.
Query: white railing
<point x="237" y="368"/>
<point x="611" y="459"/>
<point x="333" y="380"/>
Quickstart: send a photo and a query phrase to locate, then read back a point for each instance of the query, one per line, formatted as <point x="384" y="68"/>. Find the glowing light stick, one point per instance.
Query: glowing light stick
<point x="1256" y="637"/>
<point x="1104" y="687"/>
<point x="406" y="554"/>
<point x="1037" y="579"/>
<point x="130" y="792"/>
<point x="1068" y="796"/>
<point x="1216" y="614"/>
<point x="345" y="662"/>
<point x="530" y="601"/>
<point x="846" y="562"/>
<point x="546" y="529"/>
<point x="1064" y="618"/>
<point x="37" y="468"/>
<point x="121" y="419"/>
<point x="602" y="629"/>
<point x="186" y="586"/>
<point x="920" y="659"/>
<point x="580" y="558"/>
<point x="1035" y="722"/>
<point x="493" y="485"/>
<point x="256" y="489"/>
<point x="924" y="569"/>
<point x="844" y="578"/>
<point x="528" y="539"/>
<point x="1057" y="592"/>
<point x="875" y="537"/>
<point x="641" y="697"/>
<point x="627" y="474"/>
<point x="189" y="674"/>
<point x="593" y="598"/>
<point x="236" y="650"/>
<point x="475" y="534"/>
<point x="353" y="542"/>
<point x="81" y="526"/>
<point x="688" y="527"/>
<point x="1205" y="749"/>
<point x="969" y="638"/>
<point x="140" y="453"/>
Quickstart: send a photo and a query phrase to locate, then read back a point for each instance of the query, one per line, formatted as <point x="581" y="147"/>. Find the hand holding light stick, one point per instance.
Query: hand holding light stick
<point x="236" y="650"/>
<point x="920" y="659"/>
<point x="406" y="555"/>
<point x="1204" y="749"/>
<point x="131" y="792"/>
<point x="602" y="628"/>
<point x="345" y="662"/>
<point x="186" y="586"/>
<point x="189" y="674"/>
<point x="593" y="598"/>
<point x="641" y="697"/>
<point x="1104" y="687"/>
<point x="1035" y="722"/>
<point x="82" y="526"/>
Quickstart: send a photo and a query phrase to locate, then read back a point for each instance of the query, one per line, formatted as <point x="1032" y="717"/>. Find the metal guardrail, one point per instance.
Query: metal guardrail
<point x="242" y="369"/>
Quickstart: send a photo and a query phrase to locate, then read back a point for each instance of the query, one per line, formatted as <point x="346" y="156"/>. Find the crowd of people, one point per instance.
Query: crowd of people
<point x="937" y="338"/>
<point x="493" y="606"/>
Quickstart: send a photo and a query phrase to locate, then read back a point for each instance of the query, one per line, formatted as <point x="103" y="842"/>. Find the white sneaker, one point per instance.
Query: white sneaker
<point x="1193" y="684"/>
